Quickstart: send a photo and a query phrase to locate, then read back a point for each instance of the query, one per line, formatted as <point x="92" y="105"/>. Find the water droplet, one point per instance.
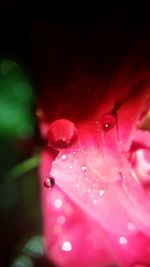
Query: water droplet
<point x="84" y="168"/>
<point x="49" y="182"/>
<point x="63" y="157"/>
<point x="123" y="240"/>
<point x="108" y="121"/>
<point x="74" y="152"/>
<point x="101" y="192"/>
<point x="58" y="203"/>
<point x="62" y="134"/>
<point x="66" y="246"/>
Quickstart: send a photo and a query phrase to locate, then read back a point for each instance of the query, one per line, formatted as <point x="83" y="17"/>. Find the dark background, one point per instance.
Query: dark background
<point x="21" y="25"/>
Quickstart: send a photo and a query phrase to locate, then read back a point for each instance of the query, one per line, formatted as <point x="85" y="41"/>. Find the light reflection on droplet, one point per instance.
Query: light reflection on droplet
<point x="49" y="182"/>
<point x="58" y="203"/>
<point x="108" y="121"/>
<point x="63" y="157"/>
<point x="61" y="220"/>
<point x="101" y="192"/>
<point x="70" y="167"/>
<point x="123" y="240"/>
<point x="66" y="246"/>
<point x="84" y="168"/>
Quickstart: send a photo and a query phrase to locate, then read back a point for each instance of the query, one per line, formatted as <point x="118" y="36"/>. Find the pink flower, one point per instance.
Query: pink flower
<point x="96" y="201"/>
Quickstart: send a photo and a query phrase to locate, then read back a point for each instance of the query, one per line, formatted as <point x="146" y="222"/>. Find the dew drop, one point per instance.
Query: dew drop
<point x="63" y="157"/>
<point x="101" y="192"/>
<point x="66" y="246"/>
<point x="108" y="121"/>
<point x="84" y="168"/>
<point x="62" y="134"/>
<point x="58" y="203"/>
<point x="123" y="240"/>
<point x="49" y="182"/>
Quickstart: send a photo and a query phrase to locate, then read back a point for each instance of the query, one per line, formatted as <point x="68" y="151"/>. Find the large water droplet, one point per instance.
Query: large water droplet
<point x="62" y="134"/>
<point x="49" y="182"/>
<point x="108" y="121"/>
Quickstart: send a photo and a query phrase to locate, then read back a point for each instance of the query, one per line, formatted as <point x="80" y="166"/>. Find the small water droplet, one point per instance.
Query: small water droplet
<point x="74" y="152"/>
<point x="108" y="121"/>
<point x="70" y="167"/>
<point x="101" y="192"/>
<point x="84" y="168"/>
<point x="63" y="157"/>
<point x="66" y="246"/>
<point x="58" y="203"/>
<point x="49" y="182"/>
<point x="62" y="134"/>
<point x="123" y="240"/>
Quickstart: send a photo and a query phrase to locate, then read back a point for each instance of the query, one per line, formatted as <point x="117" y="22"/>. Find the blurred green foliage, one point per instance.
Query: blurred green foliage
<point x="16" y="102"/>
<point x="20" y="202"/>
